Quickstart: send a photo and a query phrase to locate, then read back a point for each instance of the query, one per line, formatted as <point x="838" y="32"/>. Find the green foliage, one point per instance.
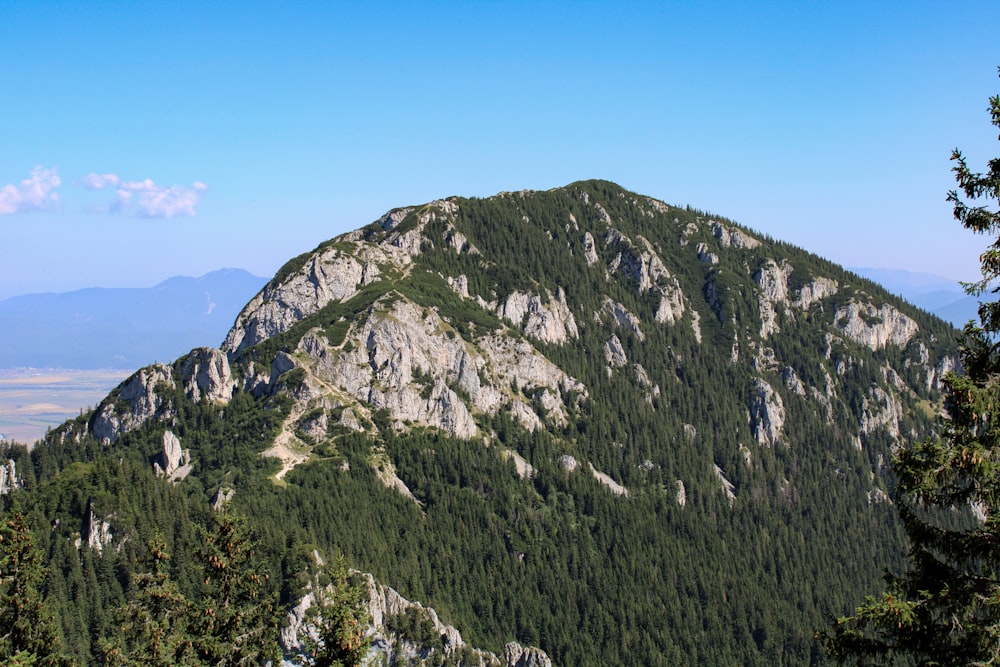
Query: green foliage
<point x="154" y="626"/>
<point x="553" y="558"/>
<point x="414" y="626"/>
<point x="945" y="609"/>
<point x="341" y="618"/>
<point x="236" y="618"/>
<point x="28" y="633"/>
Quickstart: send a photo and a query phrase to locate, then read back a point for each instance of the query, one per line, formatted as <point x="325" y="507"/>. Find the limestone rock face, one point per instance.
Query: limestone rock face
<point x="334" y="273"/>
<point x="639" y="262"/>
<point x="206" y="374"/>
<point x="137" y="402"/>
<point x="568" y="463"/>
<point x="8" y="478"/>
<point x="873" y="327"/>
<point x="384" y="604"/>
<point x="636" y="261"/>
<point x="817" y="290"/>
<point x="516" y="655"/>
<point x="881" y="409"/>
<point x="704" y="255"/>
<point x="549" y="322"/>
<point x="96" y="531"/>
<point x="614" y="352"/>
<point x="773" y="280"/>
<point x="621" y="317"/>
<point x="767" y="413"/>
<point x="589" y="248"/>
<point x="681" y="496"/>
<point x="792" y="381"/>
<point x="731" y="236"/>
<point x="173" y="462"/>
<point x="330" y="276"/>
<point x="399" y="359"/>
<point x="608" y="481"/>
<point x="727" y="487"/>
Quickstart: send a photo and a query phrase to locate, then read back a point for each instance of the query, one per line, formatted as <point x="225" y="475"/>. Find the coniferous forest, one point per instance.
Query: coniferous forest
<point x="681" y="453"/>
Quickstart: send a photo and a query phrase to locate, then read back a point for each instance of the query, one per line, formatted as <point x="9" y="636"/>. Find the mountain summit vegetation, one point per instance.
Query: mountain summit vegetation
<point x="584" y="420"/>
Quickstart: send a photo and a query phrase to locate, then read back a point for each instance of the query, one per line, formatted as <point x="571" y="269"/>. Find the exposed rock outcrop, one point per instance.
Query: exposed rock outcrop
<point x="881" y="410"/>
<point x="206" y="374"/>
<point x="772" y="278"/>
<point x="727" y="487"/>
<point x="400" y="360"/>
<point x="549" y="322"/>
<point x="620" y="316"/>
<point x="135" y="403"/>
<point x="568" y="463"/>
<point x="874" y="327"/>
<point x="639" y="262"/>
<point x="614" y="353"/>
<point x="96" y="531"/>
<point x="384" y="605"/>
<point x="8" y="478"/>
<point x="173" y="462"/>
<point x="608" y="481"/>
<point x="704" y="255"/>
<point x="731" y="236"/>
<point x="767" y="413"/>
<point x="515" y="655"/>
<point x="589" y="249"/>
<point x="817" y="290"/>
<point x="333" y="273"/>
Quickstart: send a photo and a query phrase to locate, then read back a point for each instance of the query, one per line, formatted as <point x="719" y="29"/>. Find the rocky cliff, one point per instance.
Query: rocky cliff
<point x="590" y="358"/>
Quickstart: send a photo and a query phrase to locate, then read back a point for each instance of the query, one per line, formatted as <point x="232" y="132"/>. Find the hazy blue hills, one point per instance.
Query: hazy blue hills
<point x="122" y="327"/>
<point x="935" y="294"/>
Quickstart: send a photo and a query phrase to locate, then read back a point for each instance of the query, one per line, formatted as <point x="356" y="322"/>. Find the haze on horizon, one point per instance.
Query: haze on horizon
<point x="144" y="141"/>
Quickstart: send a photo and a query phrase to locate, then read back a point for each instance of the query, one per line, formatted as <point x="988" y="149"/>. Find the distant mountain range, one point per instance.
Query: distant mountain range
<point x="935" y="294"/>
<point x="122" y="327"/>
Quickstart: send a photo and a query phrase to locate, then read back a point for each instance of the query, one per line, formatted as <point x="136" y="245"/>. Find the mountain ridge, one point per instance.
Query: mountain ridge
<point x="554" y="416"/>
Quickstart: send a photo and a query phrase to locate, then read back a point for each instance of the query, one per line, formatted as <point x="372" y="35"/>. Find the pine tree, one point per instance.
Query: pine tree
<point x="341" y="619"/>
<point x="152" y="628"/>
<point x="28" y="632"/>
<point x="945" y="610"/>
<point x="236" y="623"/>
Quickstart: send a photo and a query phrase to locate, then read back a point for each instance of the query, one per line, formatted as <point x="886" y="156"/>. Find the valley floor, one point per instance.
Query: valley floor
<point x="34" y="399"/>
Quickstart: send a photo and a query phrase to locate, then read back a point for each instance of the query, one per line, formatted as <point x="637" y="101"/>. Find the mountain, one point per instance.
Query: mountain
<point x="583" y="419"/>
<point x="935" y="294"/>
<point x="122" y="327"/>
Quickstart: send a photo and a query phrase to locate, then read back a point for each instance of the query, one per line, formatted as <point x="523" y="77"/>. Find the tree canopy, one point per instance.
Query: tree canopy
<point x="945" y="610"/>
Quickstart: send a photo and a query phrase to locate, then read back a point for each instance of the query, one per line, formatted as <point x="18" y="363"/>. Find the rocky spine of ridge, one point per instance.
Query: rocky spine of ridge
<point x="405" y="359"/>
<point x="384" y="606"/>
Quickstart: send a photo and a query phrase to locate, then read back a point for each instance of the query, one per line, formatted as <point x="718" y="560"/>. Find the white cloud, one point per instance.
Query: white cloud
<point x="146" y="199"/>
<point x="99" y="181"/>
<point x="33" y="194"/>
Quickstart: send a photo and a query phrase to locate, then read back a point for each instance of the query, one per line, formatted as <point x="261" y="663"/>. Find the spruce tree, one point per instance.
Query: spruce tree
<point x="28" y="632"/>
<point x="152" y="628"/>
<point x="341" y="620"/>
<point x="945" y="610"/>
<point x="236" y="623"/>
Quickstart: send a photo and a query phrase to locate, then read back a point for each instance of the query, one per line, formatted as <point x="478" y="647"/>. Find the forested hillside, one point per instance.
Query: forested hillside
<point x="582" y="419"/>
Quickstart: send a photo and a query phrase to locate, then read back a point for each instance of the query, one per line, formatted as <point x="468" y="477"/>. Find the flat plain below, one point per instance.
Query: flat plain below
<point x="35" y="399"/>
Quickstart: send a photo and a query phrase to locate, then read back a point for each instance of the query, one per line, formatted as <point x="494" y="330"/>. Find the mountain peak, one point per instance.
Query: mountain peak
<point x="563" y="409"/>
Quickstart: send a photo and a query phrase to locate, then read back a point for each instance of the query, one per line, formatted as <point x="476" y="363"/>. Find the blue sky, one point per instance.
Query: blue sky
<point x="144" y="140"/>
